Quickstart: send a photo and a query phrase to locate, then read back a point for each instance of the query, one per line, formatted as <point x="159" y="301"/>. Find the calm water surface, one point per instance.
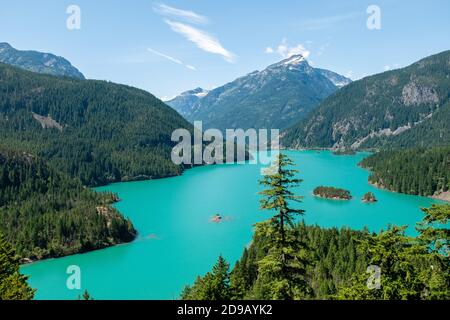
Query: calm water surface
<point x="177" y="241"/>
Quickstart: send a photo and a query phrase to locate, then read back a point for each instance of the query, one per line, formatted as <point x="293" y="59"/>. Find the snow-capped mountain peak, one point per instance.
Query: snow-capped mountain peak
<point x="294" y="60"/>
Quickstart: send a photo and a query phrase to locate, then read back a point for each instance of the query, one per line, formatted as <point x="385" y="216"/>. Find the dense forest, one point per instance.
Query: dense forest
<point x="287" y="260"/>
<point x="45" y="213"/>
<point x="417" y="171"/>
<point x="96" y="131"/>
<point x="13" y="285"/>
<point x="334" y="259"/>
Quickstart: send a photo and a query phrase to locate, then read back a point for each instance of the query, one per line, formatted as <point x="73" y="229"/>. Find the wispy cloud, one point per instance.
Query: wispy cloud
<point x="187" y="15"/>
<point x="202" y="39"/>
<point x="175" y="60"/>
<point x="286" y="51"/>
<point x="327" y="22"/>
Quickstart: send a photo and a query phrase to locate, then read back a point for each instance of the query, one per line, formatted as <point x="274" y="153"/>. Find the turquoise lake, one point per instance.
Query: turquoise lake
<point x="177" y="241"/>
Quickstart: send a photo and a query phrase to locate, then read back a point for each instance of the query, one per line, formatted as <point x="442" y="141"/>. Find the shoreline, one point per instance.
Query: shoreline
<point x="443" y="196"/>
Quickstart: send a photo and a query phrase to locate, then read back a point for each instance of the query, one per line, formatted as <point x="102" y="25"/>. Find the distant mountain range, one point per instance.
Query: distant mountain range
<point x="277" y="97"/>
<point x="400" y="108"/>
<point x="184" y="103"/>
<point x="40" y="62"/>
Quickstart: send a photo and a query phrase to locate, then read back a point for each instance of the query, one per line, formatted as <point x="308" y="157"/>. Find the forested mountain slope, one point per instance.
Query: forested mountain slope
<point x="400" y="108"/>
<point x="44" y="213"/>
<point x="96" y="131"/>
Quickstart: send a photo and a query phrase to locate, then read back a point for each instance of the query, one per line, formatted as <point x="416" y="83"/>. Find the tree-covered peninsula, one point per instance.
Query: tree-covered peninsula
<point x="45" y="213"/>
<point x="418" y="171"/>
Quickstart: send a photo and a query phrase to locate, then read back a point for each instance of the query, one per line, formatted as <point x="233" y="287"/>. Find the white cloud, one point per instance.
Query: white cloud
<point x="187" y="15"/>
<point x="202" y="39"/>
<point x="175" y="60"/>
<point x="285" y="51"/>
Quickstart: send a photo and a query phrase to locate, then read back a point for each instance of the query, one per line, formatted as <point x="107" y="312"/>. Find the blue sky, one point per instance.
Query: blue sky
<point x="167" y="47"/>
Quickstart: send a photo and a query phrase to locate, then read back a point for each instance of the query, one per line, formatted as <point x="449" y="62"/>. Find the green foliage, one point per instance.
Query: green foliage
<point x="109" y="132"/>
<point x="13" y="285"/>
<point x="277" y="195"/>
<point x="44" y="213"/>
<point x="86" y="296"/>
<point x="434" y="229"/>
<point x="281" y="273"/>
<point x="332" y="193"/>
<point x="416" y="171"/>
<point x="415" y="99"/>
<point x="332" y="255"/>
<point x="215" y="285"/>
<point x="411" y="268"/>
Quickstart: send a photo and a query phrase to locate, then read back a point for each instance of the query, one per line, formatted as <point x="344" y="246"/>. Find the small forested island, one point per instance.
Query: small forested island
<point x="369" y="197"/>
<point x="332" y="193"/>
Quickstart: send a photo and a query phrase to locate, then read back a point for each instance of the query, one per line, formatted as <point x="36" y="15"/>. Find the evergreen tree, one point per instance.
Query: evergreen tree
<point x="435" y="237"/>
<point x="86" y="296"/>
<point x="392" y="252"/>
<point x="282" y="272"/>
<point x="215" y="285"/>
<point x="13" y="285"/>
<point x="278" y="181"/>
<point x="411" y="268"/>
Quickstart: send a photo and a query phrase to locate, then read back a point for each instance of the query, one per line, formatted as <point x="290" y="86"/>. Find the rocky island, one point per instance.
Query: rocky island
<point x="369" y="197"/>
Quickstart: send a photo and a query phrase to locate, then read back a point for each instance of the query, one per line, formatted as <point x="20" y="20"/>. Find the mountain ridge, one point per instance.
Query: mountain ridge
<point x="39" y="62"/>
<point x="97" y="131"/>
<point x="405" y="107"/>
<point x="275" y="97"/>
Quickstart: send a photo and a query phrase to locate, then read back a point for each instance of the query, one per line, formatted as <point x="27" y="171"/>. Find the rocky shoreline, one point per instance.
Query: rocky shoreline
<point x="444" y="196"/>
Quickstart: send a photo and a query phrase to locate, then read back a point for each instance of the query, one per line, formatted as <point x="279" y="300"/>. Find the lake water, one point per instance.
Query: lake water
<point x="177" y="241"/>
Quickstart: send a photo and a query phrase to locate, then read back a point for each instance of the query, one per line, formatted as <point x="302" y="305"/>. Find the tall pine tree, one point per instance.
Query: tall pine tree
<point x="282" y="272"/>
